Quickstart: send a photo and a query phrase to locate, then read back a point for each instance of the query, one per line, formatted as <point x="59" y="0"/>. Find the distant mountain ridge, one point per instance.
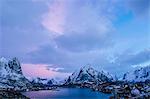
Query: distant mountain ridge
<point x="138" y="75"/>
<point x="44" y="81"/>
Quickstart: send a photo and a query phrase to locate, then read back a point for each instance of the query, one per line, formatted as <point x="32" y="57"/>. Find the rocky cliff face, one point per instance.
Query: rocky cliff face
<point x="11" y="75"/>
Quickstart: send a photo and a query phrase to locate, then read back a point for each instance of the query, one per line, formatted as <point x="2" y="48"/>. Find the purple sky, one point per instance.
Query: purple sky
<point x="52" y="38"/>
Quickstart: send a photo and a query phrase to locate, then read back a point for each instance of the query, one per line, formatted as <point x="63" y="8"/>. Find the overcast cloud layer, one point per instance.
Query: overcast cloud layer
<point x="60" y="36"/>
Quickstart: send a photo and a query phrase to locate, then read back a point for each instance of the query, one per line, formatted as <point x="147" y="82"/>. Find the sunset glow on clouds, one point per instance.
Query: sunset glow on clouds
<point x="41" y="70"/>
<point x="72" y="33"/>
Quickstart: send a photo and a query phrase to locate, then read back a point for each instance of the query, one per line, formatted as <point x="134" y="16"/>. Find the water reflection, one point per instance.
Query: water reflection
<point x="66" y="93"/>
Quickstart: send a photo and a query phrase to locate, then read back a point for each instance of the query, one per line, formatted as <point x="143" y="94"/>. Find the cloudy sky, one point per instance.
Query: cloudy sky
<point x="52" y="38"/>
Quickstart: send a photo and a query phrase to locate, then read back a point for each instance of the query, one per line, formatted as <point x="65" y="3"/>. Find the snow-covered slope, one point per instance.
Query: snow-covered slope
<point x="88" y="74"/>
<point x="44" y="81"/>
<point x="139" y="75"/>
<point x="11" y="75"/>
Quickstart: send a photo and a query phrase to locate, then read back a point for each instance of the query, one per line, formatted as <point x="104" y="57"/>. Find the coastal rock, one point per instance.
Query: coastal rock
<point x="8" y="94"/>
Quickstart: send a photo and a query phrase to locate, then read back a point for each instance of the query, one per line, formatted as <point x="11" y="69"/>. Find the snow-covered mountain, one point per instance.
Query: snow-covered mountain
<point x="139" y="75"/>
<point x="44" y="81"/>
<point x="11" y="75"/>
<point x="88" y="74"/>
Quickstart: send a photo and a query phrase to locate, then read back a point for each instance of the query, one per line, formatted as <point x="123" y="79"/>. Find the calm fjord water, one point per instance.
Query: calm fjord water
<point x="66" y="93"/>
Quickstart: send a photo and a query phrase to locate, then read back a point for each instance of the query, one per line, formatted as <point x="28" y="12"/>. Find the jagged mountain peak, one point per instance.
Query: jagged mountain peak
<point x="87" y="67"/>
<point x="11" y="75"/>
<point x="15" y="66"/>
<point x="89" y="74"/>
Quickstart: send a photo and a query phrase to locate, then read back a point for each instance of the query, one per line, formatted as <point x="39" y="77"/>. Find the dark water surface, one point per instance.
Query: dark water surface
<point x="66" y="93"/>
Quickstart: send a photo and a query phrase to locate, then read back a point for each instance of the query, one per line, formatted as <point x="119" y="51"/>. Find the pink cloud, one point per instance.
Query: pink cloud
<point x="69" y="16"/>
<point x="40" y="70"/>
<point x="54" y="19"/>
